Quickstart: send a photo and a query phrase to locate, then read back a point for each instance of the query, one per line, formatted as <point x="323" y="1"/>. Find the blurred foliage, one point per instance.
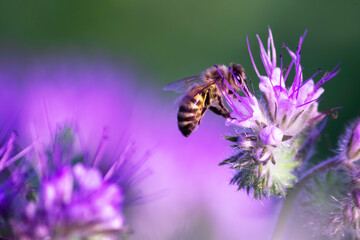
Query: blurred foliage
<point x="168" y="40"/>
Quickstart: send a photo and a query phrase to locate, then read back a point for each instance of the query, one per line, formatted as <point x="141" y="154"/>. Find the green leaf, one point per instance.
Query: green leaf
<point x="231" y="138"/>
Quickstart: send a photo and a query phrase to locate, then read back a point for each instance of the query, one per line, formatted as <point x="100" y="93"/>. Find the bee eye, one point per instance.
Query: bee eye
<point x="237" y="75"/>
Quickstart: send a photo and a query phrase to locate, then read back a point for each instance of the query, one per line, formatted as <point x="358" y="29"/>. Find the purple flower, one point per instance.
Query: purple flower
<point x="273" y="127"/>
<point x="75" y="186"/>
<point x="293" y="109"/>
<point x="74" y="202"/>
<point x="74" y="199"/>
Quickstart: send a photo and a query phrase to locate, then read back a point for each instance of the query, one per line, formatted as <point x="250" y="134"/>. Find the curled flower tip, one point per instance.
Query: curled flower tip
<point x="349" y="144"/>
<point x="353" y="146"/>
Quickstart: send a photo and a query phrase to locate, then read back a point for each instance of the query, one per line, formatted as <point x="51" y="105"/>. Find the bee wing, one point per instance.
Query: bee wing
<point x="179" y="100"/>
<point x="198" y="89"/>
<point x="183" y="85"/>
<point x="191" y="93"/>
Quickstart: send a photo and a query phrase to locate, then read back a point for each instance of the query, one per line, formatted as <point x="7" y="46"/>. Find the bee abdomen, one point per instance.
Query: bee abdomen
<point x="187" y="127"/>
<point x="190" y="113"/>
<point x="188" y="119"/>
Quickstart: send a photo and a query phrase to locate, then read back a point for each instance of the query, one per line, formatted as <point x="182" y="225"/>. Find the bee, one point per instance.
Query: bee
<point x="206" y="92"/>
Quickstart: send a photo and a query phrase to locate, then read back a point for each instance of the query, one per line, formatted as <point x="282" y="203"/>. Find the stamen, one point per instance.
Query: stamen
<point x="119" y="161"/>
<point x="17" y="156"/>
<point x="301" y="40"/>
<point x="272" y="48"/>
<point x="332" y="112"/>
<point x="281" y="69"/>
<point x="298" y="69"/>
<point x="7" y="150"/>
<point x="298" y="74"/>
<point x="41" y="165"/>
<point x="318" y="71"/>
<point x="130" y="171"/>
<point x="300" y="78"/>
<point x="288" y="70"/>
<point x="267" y="64"/>
<point x="307" y="103"/>
<point x="226" y="96"/>
<point x="237" y="95"/>
<point x="327" y="77"/>
<point x="268" y="46"/>
<point x="252" y="59"/>
<point x="229" y="101"/>
<point x="264" y="57"/>
<point x="245" y="92"/>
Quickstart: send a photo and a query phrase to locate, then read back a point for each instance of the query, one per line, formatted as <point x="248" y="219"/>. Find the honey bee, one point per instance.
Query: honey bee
<point x="206" y="92"/>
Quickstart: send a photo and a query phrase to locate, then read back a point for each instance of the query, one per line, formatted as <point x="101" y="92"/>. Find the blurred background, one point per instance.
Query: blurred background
<point x="145" y="45"/>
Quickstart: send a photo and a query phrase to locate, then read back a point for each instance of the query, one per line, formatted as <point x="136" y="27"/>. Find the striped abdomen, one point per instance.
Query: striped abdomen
<point x="191" y="111"/>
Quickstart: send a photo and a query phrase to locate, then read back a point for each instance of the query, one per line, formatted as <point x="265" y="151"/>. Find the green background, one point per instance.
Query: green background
<point x="168" y="40"/>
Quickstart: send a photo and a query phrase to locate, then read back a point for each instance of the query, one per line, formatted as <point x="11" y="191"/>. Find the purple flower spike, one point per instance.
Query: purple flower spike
<point x="272" y="128"/>
<point x="293" y="109"/>
<point x="74" y="202"/>
<point x="75" y="199"/>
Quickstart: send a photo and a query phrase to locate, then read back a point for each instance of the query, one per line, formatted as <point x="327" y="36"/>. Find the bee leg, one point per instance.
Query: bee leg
<point x="220" y="109"/>
<point x="206" y="96"/>
<point x="220" y="112"/>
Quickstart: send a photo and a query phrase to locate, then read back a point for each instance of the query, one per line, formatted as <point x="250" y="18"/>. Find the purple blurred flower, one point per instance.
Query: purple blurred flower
<point x="273" y="128"/>
<point x="74" y="203"/>
<point x="72" y="185"/>
<point x="75" y="197"/>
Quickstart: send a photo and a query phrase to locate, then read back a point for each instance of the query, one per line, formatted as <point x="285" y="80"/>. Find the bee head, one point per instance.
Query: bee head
<point x="237" y="73"/>
<point x="237" y="77"/>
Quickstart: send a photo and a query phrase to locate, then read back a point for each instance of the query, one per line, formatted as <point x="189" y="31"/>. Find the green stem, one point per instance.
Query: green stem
<point x="287" y="205"/>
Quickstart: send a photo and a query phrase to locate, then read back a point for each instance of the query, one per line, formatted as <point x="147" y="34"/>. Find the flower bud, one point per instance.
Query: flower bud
<point x="247" y="141"/>
<point x="271" y="135"/>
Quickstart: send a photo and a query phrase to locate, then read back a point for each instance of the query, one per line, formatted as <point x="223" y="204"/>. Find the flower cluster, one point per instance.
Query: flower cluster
<point x="330" y="205"/>
<point x="271" y="130"/>
<point x="334" y="199"/>
<point x="59" y="193"/>
<point x="326" y="204"/>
